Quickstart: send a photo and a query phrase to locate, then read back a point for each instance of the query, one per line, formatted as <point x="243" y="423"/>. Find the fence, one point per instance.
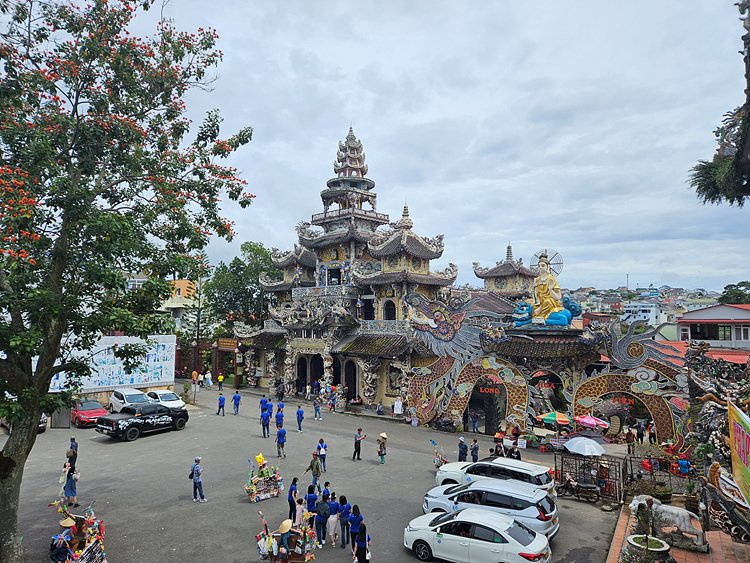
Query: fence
<point x="605" y="471"/>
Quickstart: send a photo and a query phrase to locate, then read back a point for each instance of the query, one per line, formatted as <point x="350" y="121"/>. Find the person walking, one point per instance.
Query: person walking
<point x="71" y="480"/>
<point x="280" y="441"/>
<point x="639" y="432"/>
<point x="201" y="378"/>
<point x="316" y="388"/>
<point x="209" y="382"/>
<point x="332" y="526"/>
<point x="474" y="422"/>
<point x="197" y="473"/>
<point x="345" y="510"/>
<point x="363" y="544"/>
<point x="280" y="406"/>
<point x="322" y="452"/>
<point x="316" y="468"/>
<point x="358" y="437"/>
<point x="323" y="511"/>
<point x="300" y="417"/>
<point x="355" y="521"/>
<point x="463" y="449"/>
<point x="222" y="401"/>
<point x="630" y="441"/>
<point x="194" y="376"/>
<point x="73" y="448"/>
<point x="311" y="499"/>
<point x="265" y="422"/>
<point x="237" y="400"/>
<point x="381" y="446"/>
<point x="279" y="418"/>
<point x="652" y="433"/>
<point x="292" y="498"/>
<point x="308" y="392"/>
<point x="220" y="381"/>
<point x="263" y="403"/>
<point x="316" y="407"/>
<point x="474" y="449"/>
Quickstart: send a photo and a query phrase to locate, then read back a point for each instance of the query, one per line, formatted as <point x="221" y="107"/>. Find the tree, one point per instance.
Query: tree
<point x="97" y="180"/>
<point x="726" y="177"/>
<point x="735" y="294"/>
<point x="234" y="292"/>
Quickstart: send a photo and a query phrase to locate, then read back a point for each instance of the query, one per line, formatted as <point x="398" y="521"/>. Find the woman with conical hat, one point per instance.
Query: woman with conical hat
<point x="381" y="446"/>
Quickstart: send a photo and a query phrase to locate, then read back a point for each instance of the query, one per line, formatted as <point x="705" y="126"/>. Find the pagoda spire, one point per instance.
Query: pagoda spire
<point x="350" y="159"/>
<point x="405" y="222"/>
<point x="509" y="253"/>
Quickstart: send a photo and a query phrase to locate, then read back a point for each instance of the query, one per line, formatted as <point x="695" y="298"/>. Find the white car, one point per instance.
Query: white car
<point x="474" y="535"/>
<point x="126" y="397"/>
<point x="497" y="468"/>
<point x="523" y="502"/>
<point x="166" y="398"/>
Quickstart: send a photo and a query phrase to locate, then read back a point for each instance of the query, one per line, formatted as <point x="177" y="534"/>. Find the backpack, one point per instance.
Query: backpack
<point x="324" y="511"/>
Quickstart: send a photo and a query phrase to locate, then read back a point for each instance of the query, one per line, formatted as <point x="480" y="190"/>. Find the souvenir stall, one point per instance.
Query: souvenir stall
<point x="82" y="539"/>
<point x="266" y="484"/>
<point x="301" y="541"/>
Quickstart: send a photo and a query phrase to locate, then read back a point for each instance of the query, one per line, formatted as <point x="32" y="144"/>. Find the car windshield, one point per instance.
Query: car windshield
<point x="456" y="489"/>
<point x="521" y="533"/>
<point x="543" y="478"/>
<point x="89" y="405"/>
<point x="139" y="398"/>
<point x="547" y="505"/>
<point x="169" y="397"/>
<point x="445" y="517"/>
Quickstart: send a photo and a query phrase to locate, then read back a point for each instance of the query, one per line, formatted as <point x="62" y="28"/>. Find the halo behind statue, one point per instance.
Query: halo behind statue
<point x="553" y="257"/>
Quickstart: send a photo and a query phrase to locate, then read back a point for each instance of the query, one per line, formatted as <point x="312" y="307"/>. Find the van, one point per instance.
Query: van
<point x="528" y="504"/>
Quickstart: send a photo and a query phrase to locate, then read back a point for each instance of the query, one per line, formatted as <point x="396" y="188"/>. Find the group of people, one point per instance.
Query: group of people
<point x="332" y="517"/>
<point x="70" y="475"/>
<point x="203" y="378"/>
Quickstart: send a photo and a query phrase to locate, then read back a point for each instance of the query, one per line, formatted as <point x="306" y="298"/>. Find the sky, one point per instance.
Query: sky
<point x="563" y="125"/>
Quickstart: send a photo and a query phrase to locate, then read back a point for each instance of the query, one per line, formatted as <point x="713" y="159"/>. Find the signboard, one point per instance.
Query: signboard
<point x="108" y="372"/>
<point x="508" y="443"/>
<point x="739" y="436"/>
<point x="227" y="344"/>
<point x="484" y="390"/>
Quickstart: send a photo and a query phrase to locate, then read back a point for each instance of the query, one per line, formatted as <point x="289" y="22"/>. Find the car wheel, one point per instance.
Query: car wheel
<point x="111" y="408"/>
<point x="132" y="434"/>
<point x="179" y="424"/>
<point x="76" y="422"/>
<point x="422" y="550"/>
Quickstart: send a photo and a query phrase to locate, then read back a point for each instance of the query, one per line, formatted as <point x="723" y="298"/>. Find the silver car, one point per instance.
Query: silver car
<point x="525" y="503"/>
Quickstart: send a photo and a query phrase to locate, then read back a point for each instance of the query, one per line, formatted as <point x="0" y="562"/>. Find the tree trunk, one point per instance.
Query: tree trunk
<point x="12" y="461"/>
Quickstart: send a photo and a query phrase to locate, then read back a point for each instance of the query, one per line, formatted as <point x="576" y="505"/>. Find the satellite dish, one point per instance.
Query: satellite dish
<point x="553" y="257"/>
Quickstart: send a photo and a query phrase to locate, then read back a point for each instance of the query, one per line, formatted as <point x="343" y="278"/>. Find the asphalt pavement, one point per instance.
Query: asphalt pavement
<point x="142" y="492"/>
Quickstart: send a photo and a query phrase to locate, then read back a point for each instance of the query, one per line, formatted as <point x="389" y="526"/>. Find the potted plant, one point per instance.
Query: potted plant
<point x="691" y="498"/>
<point x="646" y="548"/>
<point x="651" y="488"/>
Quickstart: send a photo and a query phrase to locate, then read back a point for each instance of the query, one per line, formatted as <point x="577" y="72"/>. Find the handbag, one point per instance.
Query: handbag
<point x="368" y="556"/>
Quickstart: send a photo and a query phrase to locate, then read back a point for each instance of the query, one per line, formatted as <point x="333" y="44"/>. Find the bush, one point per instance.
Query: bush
<point x="644" y="487"/>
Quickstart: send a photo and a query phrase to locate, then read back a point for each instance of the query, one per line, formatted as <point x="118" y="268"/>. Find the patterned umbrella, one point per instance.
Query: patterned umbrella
<point x="554" y="417"/>
<point x="591" y="421"/>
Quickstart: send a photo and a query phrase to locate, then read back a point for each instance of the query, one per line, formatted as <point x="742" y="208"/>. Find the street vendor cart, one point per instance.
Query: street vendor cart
<point x="266" y="484"/>
<point x="82" y="537"/>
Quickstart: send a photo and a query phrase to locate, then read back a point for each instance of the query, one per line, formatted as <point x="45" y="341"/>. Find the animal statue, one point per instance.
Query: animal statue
<point x="522" y="314"/>
<point x="670" y="516"/>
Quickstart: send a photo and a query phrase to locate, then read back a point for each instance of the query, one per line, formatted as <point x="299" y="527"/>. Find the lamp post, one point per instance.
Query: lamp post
<point x="194" y="345"/>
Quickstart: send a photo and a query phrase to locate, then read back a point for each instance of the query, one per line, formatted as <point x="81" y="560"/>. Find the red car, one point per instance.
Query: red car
<point x="86" y="411"/>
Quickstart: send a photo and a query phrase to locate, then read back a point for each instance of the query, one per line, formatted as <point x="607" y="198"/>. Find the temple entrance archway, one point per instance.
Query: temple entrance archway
<point x="489" y="400"/>
<point x="301" y="373"/>
<point x="368" y="311"/>
<point x="350" y="379"/>
<point x="336" y="371"/>
<point x="316" y="368"/>
<point x="389" y="311"/>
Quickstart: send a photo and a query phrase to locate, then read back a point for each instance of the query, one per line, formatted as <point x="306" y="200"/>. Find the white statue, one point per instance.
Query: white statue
<point x="670" y="516"/>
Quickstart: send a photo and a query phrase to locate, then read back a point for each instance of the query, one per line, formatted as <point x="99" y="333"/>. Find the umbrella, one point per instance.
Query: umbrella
<point x="584" y="446"/>
<point x="554" y="417"/>
<point x="591" y="421"/>
<point x="595" y="436"/>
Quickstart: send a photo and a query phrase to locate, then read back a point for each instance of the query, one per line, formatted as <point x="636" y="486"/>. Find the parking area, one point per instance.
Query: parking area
<point x="142" y="492"/>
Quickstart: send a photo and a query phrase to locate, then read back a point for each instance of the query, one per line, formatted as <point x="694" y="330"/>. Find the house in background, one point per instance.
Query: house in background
<point x="725" y="326"/>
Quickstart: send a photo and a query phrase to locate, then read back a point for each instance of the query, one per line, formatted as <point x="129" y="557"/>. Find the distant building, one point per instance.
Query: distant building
<point x="726" y="326"/>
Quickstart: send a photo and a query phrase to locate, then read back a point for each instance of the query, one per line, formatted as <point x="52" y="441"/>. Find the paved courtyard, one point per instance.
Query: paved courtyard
<point x="144" y="497"/>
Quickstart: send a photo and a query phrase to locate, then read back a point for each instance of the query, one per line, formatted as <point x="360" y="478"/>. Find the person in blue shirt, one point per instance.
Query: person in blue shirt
<point x="463" y="449"/>
<point x="332" y="526"/>
<point x="280" y="406"/>
<point x="279" y="419"/>
<point x="322" y="452"/>
<point x="327" y="488"/>
<point x="686" y="468"/>
<point x="265" y="422"/>
<point x="263" y="403"/>
<point x="362" y="543"/>
<point x="300" y="417"/>
<point x="345" y="510"/>
<point x="474" y="422"/>
<point x="316" y="388"/>
<point x="237" y="400"/>
<point x="311" y="499"/>
<point x="292" y="498"/>
<point x="355" y="520"/>
<point x="222" y="400"/>
<point x="280" y="441"/>
<point x="474" y="450"/>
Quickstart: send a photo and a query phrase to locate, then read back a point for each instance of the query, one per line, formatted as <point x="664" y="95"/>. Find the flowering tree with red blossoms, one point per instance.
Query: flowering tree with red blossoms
<point x="98" y="180"/>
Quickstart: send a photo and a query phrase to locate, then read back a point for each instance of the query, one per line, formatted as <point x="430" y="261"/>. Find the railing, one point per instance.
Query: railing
<point x="348" y="211"/>
<point x="346" y="291"/>
<point x="393" y="327"/>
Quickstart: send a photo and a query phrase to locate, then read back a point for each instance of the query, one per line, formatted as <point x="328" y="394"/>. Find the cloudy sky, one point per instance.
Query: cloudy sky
<point x="564" y="125"/>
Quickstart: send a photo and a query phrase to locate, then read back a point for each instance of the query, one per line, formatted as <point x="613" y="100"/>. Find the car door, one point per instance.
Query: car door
<point x="466" y="499"/>
<point x="477" y="470"/>
<point x="118" y="400"/>
<point x="153" y="396"/>
<point x="499" y="502"/>
<point x="452" y="541"/>
<point x="162" y="418"/>
<point x="487" y="546"/>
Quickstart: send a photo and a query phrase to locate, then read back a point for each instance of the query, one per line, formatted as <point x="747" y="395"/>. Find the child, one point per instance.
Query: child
<point x="300" y="510"/>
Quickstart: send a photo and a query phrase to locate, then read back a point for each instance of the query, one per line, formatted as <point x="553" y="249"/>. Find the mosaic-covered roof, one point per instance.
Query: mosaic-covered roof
<point x="381" y="345"/>
<point x="266" y="339"/>
<point x="507" y="267"/>
<point x="350" y="160"/>
<point x="403" y="276"/>
<point x="403" y="239"/>
<point x="314" y="239"/>
<point x="268" y="285"/>
<point x="299" y="255"/>
<point x="539" y="344"/>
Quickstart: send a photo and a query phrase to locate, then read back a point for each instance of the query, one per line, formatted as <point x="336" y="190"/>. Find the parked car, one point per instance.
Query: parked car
<point x="125" y="398"/>
<point x="166" y="398"/>
<point x="85" y="412"/>
<point x="523" y="502"/>
<point x="41" y="428"/>
<point x="475" y="535"/>
<point x="497" y="468"/>
<point x="134" y="420"/>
